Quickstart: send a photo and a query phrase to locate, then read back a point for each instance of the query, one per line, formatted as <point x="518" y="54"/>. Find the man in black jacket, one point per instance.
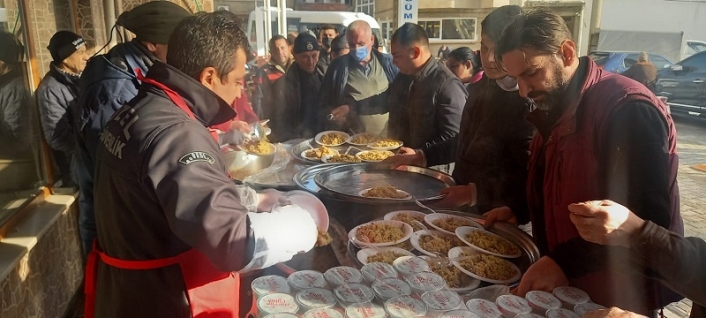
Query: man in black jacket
<point x="297" y="115"/>
<point x="426" y="99"/>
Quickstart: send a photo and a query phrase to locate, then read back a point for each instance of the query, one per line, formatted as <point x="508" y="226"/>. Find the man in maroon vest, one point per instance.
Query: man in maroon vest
<point x="600" y="136"/>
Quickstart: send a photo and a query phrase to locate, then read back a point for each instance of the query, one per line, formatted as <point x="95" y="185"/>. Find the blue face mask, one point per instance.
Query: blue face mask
<point x="359" y="54"/>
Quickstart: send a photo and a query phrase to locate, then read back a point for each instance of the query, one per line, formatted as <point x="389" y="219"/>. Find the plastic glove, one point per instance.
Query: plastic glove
<point x="234" y="137"/>
<point x="270" y="199"/>
<point x="279" y="235"/>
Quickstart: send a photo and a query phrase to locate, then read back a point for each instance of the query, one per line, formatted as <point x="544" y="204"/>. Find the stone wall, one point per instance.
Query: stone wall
<point x="47" y="277"/>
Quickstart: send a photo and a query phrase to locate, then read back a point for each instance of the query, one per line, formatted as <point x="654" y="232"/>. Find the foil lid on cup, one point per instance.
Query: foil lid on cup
<point x="323" y="313"/>
<point x="512" y="305"/>
<point x="426" y="282"/>
<point x="316" y="298"/>
<point x="282" y="315"/>
<point x="582" y="309"/>
<point x="530" y="315"/>
<point x="441" y="300"/>
<point x="483" y="308"/>
<point x="342" y="275"/>
<point x="365" y="310"/>
<point x="408" y="265"/>
<point x="387" y="288"/>
<point x="571" y="295"/>
<point x="354" y="293"/>
<point x="306" y="279"/>
<point x="561" y="313"/>
<point x="405" y="306"/>
<point x="277" y="303"/>
<point x="378" y="270"/>
<point x="270" y="284"/>
<point x="459" y="314"/>
<point x="542" y="300"/>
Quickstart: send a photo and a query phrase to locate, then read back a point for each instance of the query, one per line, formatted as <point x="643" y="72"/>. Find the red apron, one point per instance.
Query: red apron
<point x="211" y="293"/>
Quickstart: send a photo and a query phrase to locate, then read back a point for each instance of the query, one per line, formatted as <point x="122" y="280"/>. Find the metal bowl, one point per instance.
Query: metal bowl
<point x="241" y="164"/>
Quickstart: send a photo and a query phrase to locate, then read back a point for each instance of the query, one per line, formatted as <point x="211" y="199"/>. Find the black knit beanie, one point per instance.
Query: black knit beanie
<point x="64" y="43"/>
<point x="153" y="21"/>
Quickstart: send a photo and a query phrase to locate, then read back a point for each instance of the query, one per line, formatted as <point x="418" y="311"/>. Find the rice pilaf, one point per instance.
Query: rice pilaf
<point x="453" y="276"/>
<point x="451" y="223"/>
<point x="379" y="233"/>
<point x="488" y="266"/>
<point x="385" y="257"/>
<point x="438" y="244"/>
<point x="409" y="219"/>
<point x="492" y="243"/>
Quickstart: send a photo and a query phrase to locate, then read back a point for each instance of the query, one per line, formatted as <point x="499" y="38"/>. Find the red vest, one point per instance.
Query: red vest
<point x="572" y="158"/>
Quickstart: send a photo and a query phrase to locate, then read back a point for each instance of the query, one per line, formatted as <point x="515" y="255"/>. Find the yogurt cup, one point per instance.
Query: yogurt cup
<point x="541" y="301"/>
<point x="342" y="275"/>
<point x="410" y="265"/>
<point x="441" y="301"/>
<point x="570" y="296"/>
<point x="315" y="298"/>
<point x="388" y="288"/>
<point x="323" y="313"/>
<point x="484" y="308"/>
<point x="561" y="313"/>
<point x="282" y="315"/>
<point x="529" y="316"/>
<point x="459" y="314"/>
<point x="275" y="304"/>
<point x="365" y="310"/>
<point x="425" y="282"/>
<point x="270" y="284"/>
<point x="511" y="306"/>
<point x="306" y="279"/>
<point x="350" y="294"/>
<point x="377" y="270"/>
<point x="582" y="309"/>
<point x="404" y="307"/>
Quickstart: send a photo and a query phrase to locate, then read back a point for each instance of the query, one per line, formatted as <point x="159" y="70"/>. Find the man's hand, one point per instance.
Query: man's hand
<point x="457" y="196"/>
<point x="241" y="126"/>
<point x="340" y="113"/>
<point x="406" y="156"/>
<point x="501" y="214"/>
<point x="605" y="222"/>
<point x="613" y="312"/>
<point x="544" y="275"/>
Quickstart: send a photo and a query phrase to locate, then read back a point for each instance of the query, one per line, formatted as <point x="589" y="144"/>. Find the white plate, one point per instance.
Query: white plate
<point x="391" y="215"/>
<point x="344" y="136"/>
<point x="462" y="231"/>
<point x="471" y="286"/>
<point x="418" y="234"/>
<point x="359" y="154"/>
<point x="361" y="134"/>
<point x="311" y="204"/>
<point x="456" y="251"/>
<point x="407" y="195"/>
<point x="430" y="218"/>
<point x="325" y="159"/>
<point x="363" y="254"/>
<point x="516" y="277"/>
<point x="314" y="159"/>
<point x="399" y="144"/>
<point x="404" y="226"/>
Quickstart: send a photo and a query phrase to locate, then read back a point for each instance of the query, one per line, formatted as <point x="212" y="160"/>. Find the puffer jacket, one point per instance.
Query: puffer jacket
<point x="15" y="128"/>
<point x="426" y="108"/>
<point x="57" y="91"/>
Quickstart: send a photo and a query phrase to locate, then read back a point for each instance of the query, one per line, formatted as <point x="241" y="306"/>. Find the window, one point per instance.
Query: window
<point x="450" y="29"/>
<point x="21" y="164"/>
<point x="659" y="62"/>
<point x="695" y="62"/>
<point x="366" y="6"/>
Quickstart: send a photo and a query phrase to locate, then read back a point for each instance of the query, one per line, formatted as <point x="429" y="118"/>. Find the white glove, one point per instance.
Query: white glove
<point x="279" y="235"/>
<point x="233" y="136"/>
<point x="270" y="199"/>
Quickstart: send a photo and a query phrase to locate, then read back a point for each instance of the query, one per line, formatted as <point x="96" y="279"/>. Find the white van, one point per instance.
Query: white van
<point x="302" y="21"/>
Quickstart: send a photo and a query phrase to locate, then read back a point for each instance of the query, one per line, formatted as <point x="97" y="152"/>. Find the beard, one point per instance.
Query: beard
<point x="554" y="95"/>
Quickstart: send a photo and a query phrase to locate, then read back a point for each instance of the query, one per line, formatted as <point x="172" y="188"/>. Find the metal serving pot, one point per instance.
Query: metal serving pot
<point x="241" y="164"/>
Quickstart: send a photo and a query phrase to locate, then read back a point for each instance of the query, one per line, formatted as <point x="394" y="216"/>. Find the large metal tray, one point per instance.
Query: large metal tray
<point x="530" y="252"/>
<point x="348" y="180"/>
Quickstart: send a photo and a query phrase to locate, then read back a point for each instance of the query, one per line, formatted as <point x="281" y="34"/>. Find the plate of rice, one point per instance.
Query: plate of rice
<point x="363" y="139"/>
<point x="456" y="280"/>
<point x="316" y="154"/>
<point x="340" y="158"/>
<point x="487" y="242"/>
<point x="385" y="192"/>
<point x="407" y="216"/>
<point x="434" y="243"/>
<point x="488" y="268"/>
<point x="383" y="254"/>
<point x="258" y="147"/>
<point x="331" y="138"/>
<point x="385" y="144"/>
<point x="448" y="223"/>
<point x="380" y="233"/>
<point x="374" y="155"/>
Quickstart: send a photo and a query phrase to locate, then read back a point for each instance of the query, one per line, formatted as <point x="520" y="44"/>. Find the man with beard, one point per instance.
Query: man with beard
<point x="297" y="93"/>
<point x="265" y="77"/>
<point x="491" y="148"/>
<point x="600" y="135"/>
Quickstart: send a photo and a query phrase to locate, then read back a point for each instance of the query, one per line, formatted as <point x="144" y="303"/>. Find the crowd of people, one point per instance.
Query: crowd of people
<point x="530" y="131"/>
